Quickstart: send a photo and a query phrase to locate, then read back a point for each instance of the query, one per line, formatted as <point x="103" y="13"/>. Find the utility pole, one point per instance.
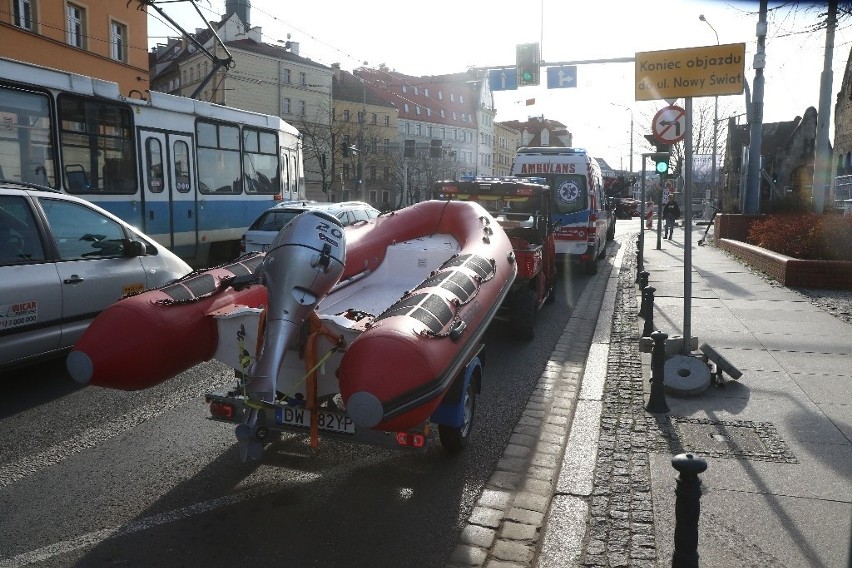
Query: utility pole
<point x="822" y="152"/>
<point x="714" y="190"/>
<point x="752" y="196"/>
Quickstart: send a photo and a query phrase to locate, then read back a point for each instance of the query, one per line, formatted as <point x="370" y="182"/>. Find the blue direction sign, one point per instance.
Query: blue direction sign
<point x="503" y="79"/>
<point x="562" y="77"/>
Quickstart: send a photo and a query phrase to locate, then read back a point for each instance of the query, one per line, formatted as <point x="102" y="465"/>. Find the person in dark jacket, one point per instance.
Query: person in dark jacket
<point x="671" y="212"/>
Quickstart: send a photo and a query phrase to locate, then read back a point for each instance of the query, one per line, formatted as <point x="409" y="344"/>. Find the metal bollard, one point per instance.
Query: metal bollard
<point x="687" y="510"/>
<point x="640" y="265"/>
<point x="648" y="301"/>
<point x="657" y="400"/>
<point x="643" y="279"/>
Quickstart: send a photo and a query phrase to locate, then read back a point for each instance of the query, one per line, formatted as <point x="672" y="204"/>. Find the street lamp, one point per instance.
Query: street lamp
<point x="631" y="132"/>
<point x="714" y="189"/>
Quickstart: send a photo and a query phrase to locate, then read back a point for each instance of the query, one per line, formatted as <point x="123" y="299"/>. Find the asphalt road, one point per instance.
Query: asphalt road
<point x="95" y="477"/>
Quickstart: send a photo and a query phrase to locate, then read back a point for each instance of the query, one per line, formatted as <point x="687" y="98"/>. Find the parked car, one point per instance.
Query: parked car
<point x="261" y="233"/>
<point x="62" y="261"/>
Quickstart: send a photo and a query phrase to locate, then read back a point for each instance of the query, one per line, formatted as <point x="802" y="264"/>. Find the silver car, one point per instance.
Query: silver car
<point x="261" y="233"/>
<point x="62" y="261"/>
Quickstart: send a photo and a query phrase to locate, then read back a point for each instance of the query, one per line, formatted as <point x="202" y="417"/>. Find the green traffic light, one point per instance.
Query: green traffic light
<point x="662" y="167"/>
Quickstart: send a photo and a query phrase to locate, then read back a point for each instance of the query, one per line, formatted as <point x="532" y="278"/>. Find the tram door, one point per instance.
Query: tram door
<point x="170" y="190"/>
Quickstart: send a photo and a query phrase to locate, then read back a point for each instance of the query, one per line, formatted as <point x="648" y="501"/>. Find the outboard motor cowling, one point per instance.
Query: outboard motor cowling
<point x="303" y="263"/>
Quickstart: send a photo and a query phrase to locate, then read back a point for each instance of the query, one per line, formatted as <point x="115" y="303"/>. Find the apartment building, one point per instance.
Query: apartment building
<point x="507" y="140"/>
<point x="105" y="39"/>
<point x="365" y="162"/>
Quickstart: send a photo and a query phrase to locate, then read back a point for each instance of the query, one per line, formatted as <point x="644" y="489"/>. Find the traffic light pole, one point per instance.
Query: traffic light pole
<point x="640" y="261"/>
<point x="687" y="231"/>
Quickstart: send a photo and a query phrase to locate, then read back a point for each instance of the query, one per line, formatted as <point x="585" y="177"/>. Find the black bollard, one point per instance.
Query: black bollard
<point x="687" y="510"/>
<point x="657" y="401"/>
<point x="648" y="301"/>
<point x="643" y="279"/>
<point x="638" y="265"/>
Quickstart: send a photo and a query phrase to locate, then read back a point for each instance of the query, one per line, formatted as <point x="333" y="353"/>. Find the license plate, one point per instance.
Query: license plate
<point x="331" y="421"/>
<point x="265" y="248"/>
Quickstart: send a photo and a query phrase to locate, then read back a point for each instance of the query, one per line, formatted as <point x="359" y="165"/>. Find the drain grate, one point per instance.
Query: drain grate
<point x="720" y="438"/>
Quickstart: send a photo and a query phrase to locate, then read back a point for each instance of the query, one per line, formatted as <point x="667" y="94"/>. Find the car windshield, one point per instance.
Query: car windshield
<point x="274" y="220"/>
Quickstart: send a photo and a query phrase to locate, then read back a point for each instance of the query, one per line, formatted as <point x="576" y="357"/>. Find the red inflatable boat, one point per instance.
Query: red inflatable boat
<point x="144" y="339"/>
<point x="387" y="330"/>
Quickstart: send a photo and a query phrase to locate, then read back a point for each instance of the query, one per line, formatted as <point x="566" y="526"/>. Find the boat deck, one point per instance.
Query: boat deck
<point x="406" y="265"/>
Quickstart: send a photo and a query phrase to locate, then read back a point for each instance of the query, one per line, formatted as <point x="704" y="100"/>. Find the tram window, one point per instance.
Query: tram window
<point x="97" y="135"/>
<point x="154" y="165"/>
<point x="181" y="157"/>
<point x="260" y="161"/>
<point x="218" y="158"/>
<point x="26" y="146"/>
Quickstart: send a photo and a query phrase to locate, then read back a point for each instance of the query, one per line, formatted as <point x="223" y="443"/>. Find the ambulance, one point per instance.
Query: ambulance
<point x="582" y="219"/>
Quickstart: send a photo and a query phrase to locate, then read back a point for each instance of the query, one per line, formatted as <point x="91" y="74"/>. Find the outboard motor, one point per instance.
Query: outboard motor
<point x="303" y="263"/>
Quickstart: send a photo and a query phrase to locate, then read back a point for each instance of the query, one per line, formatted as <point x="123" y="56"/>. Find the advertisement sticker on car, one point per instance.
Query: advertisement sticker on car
<point x="18" y="314"/>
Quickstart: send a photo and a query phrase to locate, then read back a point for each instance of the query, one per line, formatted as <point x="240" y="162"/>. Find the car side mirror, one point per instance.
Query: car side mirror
<point x="133" y="248"/>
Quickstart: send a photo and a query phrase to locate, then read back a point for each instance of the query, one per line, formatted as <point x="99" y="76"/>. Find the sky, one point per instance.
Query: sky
<point x="449" y="36"/>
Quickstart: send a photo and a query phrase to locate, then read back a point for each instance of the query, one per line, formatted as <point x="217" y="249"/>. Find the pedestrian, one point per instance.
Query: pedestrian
<point x="649" y="215"/>
<point x="671" y="213"/>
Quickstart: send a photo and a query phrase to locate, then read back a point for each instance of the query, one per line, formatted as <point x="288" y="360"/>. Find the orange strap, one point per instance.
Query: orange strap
<point x="317" y="330"/>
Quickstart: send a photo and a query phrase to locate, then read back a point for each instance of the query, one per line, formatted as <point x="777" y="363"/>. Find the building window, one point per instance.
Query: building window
<point x="374" y="118"/>
<point x="386" y="173"/>
<point x="405" y="107"/>
<point x="360" y="116"/>
<point x="372" y="173"/>
<point x="285" y="106"/>
<point x="426" y="92"/>
<point x="24" y="13"/>
<point x="387" y="120"/>
<point x="303" y="108"/>
<point x="440" y="95"/>
<point x="346" y="115"/>
<point x="118" y="41"/>
<point x="303" y="79"/>
<point x="76" y="26"/>
<point x="287" y="78"/>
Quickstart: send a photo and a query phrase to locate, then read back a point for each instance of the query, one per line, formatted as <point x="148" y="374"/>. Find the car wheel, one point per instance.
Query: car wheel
<point x="591" y="266"/>
<point x="455" y="438"/>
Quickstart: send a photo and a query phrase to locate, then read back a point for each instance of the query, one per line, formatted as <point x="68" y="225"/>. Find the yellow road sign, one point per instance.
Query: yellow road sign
<point x="690" y="72"/>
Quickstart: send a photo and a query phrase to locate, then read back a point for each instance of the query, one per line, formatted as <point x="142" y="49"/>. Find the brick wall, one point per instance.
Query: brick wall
<point x="789" y="271"/>
<point x="733" y="226"/>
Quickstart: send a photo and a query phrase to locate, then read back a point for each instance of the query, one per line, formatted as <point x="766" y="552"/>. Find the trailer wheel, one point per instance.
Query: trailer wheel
<point x="455" y="438"/>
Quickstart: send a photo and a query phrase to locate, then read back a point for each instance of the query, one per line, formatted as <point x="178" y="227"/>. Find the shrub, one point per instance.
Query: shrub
<point x="804" y="235"/>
